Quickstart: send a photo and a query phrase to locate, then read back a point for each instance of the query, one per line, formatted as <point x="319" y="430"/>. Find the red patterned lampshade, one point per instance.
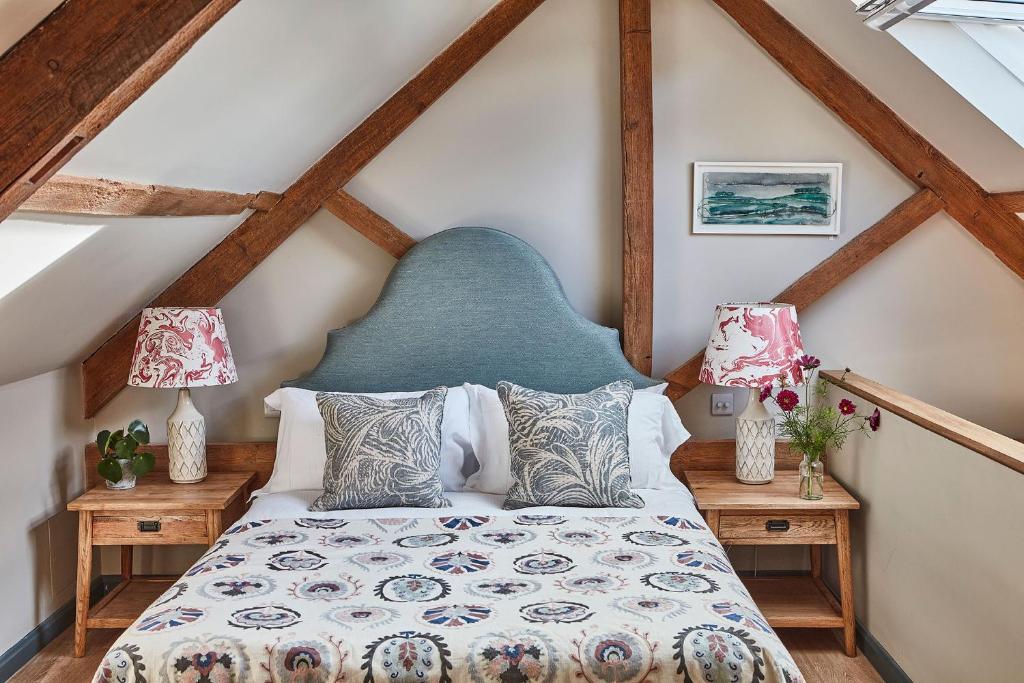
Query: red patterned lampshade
<point x="182" y="347"/>
<point x="752" y="344"/>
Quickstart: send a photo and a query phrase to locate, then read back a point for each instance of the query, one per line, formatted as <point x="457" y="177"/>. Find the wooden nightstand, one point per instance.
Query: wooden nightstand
<point x="156" y="512"/>
<point x="773" y="514"/>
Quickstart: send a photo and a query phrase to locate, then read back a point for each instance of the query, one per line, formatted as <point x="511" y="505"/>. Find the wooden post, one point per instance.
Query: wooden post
<point x="637" y="182"/>
<point x="846" y="581"/>
<point x="84" y="579"/>
<point x="127" y="560"/>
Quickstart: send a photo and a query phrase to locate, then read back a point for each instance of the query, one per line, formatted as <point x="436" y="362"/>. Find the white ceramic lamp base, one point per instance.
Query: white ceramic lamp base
<point x="186" y="441"/>
<point x="755" y="442"/>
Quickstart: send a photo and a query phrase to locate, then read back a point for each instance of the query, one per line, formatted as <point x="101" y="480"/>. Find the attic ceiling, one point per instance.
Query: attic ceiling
<point x="247" y="108"/>
<point x="251" y="106"/>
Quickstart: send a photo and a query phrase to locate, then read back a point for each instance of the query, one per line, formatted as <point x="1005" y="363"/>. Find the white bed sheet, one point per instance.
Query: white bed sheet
<point x="295" y="504"/>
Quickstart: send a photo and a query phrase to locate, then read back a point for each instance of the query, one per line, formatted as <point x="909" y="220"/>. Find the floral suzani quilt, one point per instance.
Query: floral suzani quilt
<point x="474" y="598"/>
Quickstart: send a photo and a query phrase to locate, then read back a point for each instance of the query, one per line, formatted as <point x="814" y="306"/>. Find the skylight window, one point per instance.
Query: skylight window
<point x="884" y="14"/>
<point x="976" y="46"/>
<point x="28" y="247"/>
<point x="974" y="11"/>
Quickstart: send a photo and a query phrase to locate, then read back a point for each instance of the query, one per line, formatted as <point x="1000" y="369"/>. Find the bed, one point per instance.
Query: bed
<point x="470" y="592"/>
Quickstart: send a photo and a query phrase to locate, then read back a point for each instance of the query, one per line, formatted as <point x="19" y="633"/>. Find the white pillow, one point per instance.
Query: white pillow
<point x="302" y="451"/>
<point x="654" y="431"/>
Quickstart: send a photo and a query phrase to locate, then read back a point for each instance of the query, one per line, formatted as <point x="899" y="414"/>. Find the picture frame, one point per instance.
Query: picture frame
<point x="767" y="198"/>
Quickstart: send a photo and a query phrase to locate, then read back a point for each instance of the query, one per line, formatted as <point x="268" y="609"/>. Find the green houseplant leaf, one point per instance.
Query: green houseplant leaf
<point x="139" y="431"/>
<point x="109" y="469"/>
<point x="122" y="445"/>
<point x="125" y="448"/>
<point x="102" y="439"/>
<point x="143" y="463"/>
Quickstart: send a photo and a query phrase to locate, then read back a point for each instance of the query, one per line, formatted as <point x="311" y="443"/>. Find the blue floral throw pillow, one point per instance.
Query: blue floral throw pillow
<point x="569" y="449"/>
<point x="382" y="452"/>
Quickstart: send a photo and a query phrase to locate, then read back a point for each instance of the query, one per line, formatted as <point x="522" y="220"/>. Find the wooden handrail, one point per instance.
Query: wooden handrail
<point x="992" y="445"/>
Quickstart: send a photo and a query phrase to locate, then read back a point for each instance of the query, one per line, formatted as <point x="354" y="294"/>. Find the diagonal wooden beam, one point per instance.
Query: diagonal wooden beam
<point x="76" y="71"/>
<point x="104" y="373"/>
<point x="636" y="90"/>
<point x="821" y="279"/>
<point x="369" y="223"/>
<point x="1012" y="202"/>
<point x="879" y="125"/>
<point x="64" y="194"/>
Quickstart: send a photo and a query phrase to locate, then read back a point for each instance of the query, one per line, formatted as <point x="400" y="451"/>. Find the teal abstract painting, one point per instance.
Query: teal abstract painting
<point x="767" y="198"/>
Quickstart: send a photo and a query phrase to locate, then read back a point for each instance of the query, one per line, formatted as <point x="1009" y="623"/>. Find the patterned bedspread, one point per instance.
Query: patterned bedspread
<point x="473" y="598"/>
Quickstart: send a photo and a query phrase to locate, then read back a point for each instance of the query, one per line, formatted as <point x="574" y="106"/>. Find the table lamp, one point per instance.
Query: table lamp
<point x="180" y="348"/>
<point x="753" y="345"/>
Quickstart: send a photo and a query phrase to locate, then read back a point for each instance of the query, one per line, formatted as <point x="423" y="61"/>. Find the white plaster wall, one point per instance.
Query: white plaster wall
<point x="43" y="433"/>
<point x="936" y="551"/>
<point x="19" y="16"/>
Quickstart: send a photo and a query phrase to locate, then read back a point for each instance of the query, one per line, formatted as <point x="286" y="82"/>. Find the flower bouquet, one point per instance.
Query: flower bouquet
<point x="812" y="430"/>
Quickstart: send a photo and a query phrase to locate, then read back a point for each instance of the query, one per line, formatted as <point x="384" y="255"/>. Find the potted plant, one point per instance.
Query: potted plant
<point x="119" y="462"/>
<point x="812" y="430"/>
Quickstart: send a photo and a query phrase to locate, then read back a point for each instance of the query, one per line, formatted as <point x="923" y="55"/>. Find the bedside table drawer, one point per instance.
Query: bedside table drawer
<point x="140" y="528"/>
<point x="778" y="527"/>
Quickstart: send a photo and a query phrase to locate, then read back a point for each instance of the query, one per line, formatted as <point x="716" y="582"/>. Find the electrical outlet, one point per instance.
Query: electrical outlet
<point x="721" y="404"/>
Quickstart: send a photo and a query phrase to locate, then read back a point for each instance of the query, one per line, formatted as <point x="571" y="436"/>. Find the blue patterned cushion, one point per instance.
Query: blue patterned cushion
<point x="569" y="449"/>
<point x="382" y="452"/>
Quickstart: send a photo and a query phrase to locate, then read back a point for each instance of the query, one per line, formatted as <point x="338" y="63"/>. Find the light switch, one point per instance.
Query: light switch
<point x="721" y="404"/>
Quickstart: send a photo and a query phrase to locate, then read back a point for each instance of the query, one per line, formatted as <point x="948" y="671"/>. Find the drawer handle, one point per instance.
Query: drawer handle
<point x="777" y="525"/>
<point x="151" y="526"/>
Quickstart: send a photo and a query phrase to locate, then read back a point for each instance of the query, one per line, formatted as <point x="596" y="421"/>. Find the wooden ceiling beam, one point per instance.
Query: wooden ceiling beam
<point x="821" y="279"/>
<point x="73" y="195"/>
<point x="76" y="71"/>
<point x="1012" y="202"/>
<point x="883" y="129"/>
<point x="637" y="105"/>
<point x="369" y="223"/>
<point x="105" y="372"/>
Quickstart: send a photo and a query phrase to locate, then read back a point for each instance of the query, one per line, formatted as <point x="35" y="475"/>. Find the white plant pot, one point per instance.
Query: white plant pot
<point x="127" y="477"/>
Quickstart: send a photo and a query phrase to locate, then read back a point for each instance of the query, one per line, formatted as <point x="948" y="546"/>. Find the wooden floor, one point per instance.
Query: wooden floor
<point x="817" y="653"/>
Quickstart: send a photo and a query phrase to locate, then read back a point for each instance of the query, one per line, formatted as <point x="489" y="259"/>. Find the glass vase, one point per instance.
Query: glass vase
<point x="812" y="478"/>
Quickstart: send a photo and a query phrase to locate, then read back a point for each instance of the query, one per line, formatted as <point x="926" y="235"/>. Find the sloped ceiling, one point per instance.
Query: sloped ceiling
<point x="273" y="85"/>
<point x="260" y="97"/>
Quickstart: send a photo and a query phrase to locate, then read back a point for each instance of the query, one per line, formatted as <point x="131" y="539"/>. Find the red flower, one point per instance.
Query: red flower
<point x="846" y="407"/>
<point x="875" y="420"/>
<point x="808" y="362"/>
<point x="766" y="392"/>
<point x="787" y="400"/>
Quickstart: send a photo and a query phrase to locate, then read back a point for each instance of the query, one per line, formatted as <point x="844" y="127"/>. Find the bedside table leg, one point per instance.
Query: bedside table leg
<point x="213" y="526"/>
<point x="84" y="579"/>
<point x="714" y="519"/>
<point x="815" y="561"/>
<point x="846" y="581"/>
<point x="127" y="555"/>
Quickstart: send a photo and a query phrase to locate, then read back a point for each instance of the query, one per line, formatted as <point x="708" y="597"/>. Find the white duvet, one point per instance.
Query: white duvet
<point x="468" y="593"/>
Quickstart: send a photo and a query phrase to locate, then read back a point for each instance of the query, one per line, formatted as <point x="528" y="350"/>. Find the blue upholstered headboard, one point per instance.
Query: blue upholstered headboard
<point x="471" y="305"/>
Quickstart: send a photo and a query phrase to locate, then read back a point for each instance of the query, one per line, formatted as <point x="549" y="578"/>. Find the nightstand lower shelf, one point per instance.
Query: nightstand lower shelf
<point x="126" y="601"/>
<point x="795" y="602"/>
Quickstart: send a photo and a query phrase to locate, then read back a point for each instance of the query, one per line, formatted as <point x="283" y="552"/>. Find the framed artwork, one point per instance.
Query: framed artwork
<point x="741" y="198"/>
